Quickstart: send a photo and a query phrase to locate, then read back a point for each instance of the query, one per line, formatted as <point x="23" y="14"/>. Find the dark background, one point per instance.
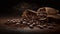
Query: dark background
<point x="7" y="10"/>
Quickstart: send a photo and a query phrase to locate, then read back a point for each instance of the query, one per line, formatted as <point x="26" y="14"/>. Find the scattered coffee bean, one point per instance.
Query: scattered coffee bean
<point x="24" y="22"/>
<point x="31" y="26"/>
<point x="50" y="27"/>
<point x="45" y="26"/>
<point x="17" y="23"/>
<point x="28" y="23"/>
<point x="39" y="26"/>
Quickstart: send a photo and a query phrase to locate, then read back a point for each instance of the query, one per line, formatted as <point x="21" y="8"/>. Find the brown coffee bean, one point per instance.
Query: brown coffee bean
<point x="50" y="27"/>
<point x="45" y="26"/>
<point x="39" y="26"/>
<point x="31" y="26"/>
<point x="24" y="22"/>
<point x="17" y="23"/>
<point x="28" y="23"/>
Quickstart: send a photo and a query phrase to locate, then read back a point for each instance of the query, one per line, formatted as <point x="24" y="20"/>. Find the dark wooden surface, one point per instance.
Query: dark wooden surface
<point x="26" y="30"/>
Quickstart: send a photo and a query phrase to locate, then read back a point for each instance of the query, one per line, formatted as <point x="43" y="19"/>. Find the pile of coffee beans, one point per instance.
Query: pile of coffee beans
<point x="29" y="23"/>
<point x="30" y="19"/>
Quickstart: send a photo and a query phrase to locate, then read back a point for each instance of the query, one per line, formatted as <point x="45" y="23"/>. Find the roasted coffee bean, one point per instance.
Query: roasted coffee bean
<point x="8" y="20"/>
<point x="21" y="22"/>
<point x="39" y="26"/>
<point x="24" y="19"/>
<point x="45" y="26"/>
<point x="50" y="27"/>
<point x="28" y="23"/>
<point x="31" y="26"/>
<point x="17" y="23"/>
<point x="24" y="22"/>
<point x="34" y="24"/>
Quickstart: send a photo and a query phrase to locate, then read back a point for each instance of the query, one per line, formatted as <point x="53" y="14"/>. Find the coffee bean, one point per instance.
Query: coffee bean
<point x="39" y="26"/>
<point x="34" y="24"/>
<point x="17" y="23"/>
<point x="45" y="26"/>
<point x="8" y="20"/>
<point x="31" y="26"/>
<point x="28" y="23"/>
<point x="50" y="27"/>
<point x="24" y="22"/>
<point x="24" y="19"/>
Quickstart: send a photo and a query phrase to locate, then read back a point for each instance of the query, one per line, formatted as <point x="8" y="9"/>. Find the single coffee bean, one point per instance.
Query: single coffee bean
<point x="31" y="26"/>
<point x="39" y="26"/>
<point x="50" y="27"/>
